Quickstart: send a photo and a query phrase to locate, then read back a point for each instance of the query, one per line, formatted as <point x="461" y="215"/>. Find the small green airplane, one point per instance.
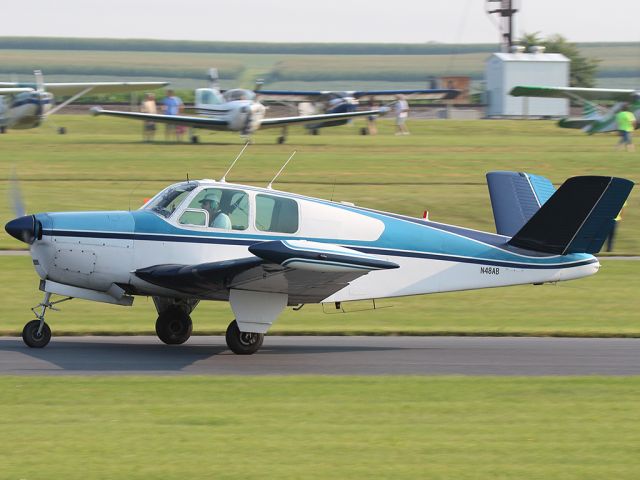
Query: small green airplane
<point x="596" y="118"/>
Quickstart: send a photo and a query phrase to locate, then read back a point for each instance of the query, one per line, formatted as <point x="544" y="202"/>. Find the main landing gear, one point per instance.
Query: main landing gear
<point x="174" y="326"/>
<point x="36" y="333"/>
<point x="242" y="343"/>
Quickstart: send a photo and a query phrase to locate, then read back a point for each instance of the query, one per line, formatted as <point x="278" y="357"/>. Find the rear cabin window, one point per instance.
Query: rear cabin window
<point x="276" y="214"/>
<point x="220" y="208"/>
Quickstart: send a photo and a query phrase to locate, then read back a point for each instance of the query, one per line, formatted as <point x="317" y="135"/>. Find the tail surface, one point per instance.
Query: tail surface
<point x="577" y="218"/>
<point x="515" y="198"/>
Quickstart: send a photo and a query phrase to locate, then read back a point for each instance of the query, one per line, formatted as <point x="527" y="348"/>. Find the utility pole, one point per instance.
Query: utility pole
<point x="506" y="12"/>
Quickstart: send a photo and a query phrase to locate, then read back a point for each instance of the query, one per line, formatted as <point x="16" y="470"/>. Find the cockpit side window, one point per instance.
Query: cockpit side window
<point x="276" y="214"/>
<point x="167" y="201"/>
<point x="227" y="209"/>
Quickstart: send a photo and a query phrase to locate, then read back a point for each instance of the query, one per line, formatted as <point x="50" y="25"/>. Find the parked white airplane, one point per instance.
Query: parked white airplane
<point x="236" y="110"/>
<point x="27" y="105"/>
<point x="263" y="250"/>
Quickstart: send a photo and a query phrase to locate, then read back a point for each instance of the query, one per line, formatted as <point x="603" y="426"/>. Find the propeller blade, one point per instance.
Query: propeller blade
<point x="16" y="196"/>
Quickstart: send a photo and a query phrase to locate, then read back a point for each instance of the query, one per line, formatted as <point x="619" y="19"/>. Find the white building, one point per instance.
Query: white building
<point x="503" y="71"/>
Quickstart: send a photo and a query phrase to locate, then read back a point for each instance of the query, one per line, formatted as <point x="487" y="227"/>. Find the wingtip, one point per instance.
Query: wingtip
<point x="95" y="111"/>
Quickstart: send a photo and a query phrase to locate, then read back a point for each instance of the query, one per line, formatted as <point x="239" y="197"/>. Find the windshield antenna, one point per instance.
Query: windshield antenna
<point x="224" y="177"/>
<point x="280" y="171"/>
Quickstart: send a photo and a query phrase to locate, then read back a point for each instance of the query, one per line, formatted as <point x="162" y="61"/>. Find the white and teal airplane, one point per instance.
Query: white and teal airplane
<point x="263" y="250"/>
<point x="27" y="105"/>
<point x="595" y="119"/>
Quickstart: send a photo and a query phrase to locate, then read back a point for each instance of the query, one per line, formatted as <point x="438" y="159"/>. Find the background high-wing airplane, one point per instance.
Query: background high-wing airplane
<point x="263" y="250"/>
<point x="27" y="105"/>
<point x="333" y="101"/>
<point x="596" y="119"/>
<point x="237" y="110"/>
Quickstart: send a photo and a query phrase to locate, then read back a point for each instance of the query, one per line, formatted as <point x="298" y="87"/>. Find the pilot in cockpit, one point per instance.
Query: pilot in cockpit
<point x="217" y="218"/>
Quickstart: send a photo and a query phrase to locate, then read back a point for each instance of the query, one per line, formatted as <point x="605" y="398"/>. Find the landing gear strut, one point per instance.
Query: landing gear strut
<point x="174" y="326"/>
<point x="242" y="343"/>
<point x="36" y="333"/>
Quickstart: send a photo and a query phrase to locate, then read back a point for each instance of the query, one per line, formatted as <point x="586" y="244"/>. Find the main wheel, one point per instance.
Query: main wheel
<point x="195" y="139"/>
<point x="243" y="343"/>
<point x="62" y="130"/>
<point x="32" y="338"/>
<point x="281" y="140"/>
<point x="174" y="326"/>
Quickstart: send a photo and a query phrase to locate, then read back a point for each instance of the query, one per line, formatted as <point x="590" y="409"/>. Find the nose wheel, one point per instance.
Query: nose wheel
<point x="36" y="334"/>
<point x="243" y="343"/>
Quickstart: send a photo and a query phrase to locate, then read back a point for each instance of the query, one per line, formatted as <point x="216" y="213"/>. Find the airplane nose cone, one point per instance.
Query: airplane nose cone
<point x="22" y="228"/>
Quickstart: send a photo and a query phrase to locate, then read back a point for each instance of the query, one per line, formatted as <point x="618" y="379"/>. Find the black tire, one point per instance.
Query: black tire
<point x="364" y="131"/>
<point x="174" y="326"/>
<point x="3" y="129"/>
<point x="62" y="130"/>
<point x="195" y="139"/>
<point x="315" y="131"/>
<point x="30" y="334"/>
<point x="281" y="140"/>
<point x="243" y="343"/>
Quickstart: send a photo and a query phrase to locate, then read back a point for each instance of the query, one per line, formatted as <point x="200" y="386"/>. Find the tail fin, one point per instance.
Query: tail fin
<point x="577" y="218"/>
<point x="515" y="197"/>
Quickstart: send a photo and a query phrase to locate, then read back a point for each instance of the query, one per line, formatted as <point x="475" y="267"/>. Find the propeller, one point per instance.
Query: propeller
<point x="39" y="81"/>
<point x="23" y="227"/>
<point x="214" y="79"/>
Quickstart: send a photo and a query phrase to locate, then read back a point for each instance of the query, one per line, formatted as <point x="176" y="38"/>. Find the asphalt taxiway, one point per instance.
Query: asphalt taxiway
<point x="318" y="355"/>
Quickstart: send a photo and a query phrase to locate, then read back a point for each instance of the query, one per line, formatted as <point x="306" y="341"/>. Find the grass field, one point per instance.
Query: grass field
<point x="319" y="427"/>
<point x="440" y="168"/>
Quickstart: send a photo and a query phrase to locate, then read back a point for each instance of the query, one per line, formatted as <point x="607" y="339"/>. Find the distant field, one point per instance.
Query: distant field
<point x="618" y="62"/>
<point x="320" y="427"/>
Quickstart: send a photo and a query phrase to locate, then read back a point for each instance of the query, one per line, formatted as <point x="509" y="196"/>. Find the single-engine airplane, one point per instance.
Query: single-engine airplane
<point x="236" y="110"/>
<point x="333" y="101"/>
<point x="263" y="250"/>
<point x="596" y="119"/>
<point x="27" y="105"/>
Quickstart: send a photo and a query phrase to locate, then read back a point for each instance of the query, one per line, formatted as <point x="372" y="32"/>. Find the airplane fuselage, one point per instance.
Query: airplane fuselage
<point x="25" y="110"/>
<point x="100" y="251"/>
<point x="242" y="116"/>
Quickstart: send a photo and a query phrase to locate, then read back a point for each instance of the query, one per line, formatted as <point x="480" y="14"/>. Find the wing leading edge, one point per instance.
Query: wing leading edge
<point x="618" y="95"/>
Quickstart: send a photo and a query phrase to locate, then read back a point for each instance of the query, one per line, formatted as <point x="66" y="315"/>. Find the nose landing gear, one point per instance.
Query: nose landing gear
<point x="36" y="333"/>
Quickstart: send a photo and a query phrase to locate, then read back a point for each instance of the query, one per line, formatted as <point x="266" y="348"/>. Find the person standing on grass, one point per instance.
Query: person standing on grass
<point x="612" y="234"/>
<point x="172" y="106"/>
<point x="149" y="127"/>
<point x="627" y="123"/>
<point x="402" y="112"/>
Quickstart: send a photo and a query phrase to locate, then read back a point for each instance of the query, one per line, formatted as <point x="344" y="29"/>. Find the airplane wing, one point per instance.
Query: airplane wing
<point x="381" y="95"/>
<point x="307" y="272"/>
<point x="325" y="117"/>
<point x="618" y="95"/>
<point x="188" y="121"/>
<point x="95" y="87"/>
<point x="8" y="90"/>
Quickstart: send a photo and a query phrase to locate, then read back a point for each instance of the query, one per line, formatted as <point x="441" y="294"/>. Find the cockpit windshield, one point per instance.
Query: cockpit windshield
<point x="166" y="202"/>
<point x="239" y="94"/>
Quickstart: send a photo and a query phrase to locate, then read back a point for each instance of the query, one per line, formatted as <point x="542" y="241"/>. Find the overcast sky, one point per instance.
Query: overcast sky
<point x="397" y="21"/>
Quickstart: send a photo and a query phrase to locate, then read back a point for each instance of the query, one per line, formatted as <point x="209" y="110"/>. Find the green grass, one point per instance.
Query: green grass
<point x="605" y="304"/>
<point x="320" y="427"/>
<point x="101" y="164"/>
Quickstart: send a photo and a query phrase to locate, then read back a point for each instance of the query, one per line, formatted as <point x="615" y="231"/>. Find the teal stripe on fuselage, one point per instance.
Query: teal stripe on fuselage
<point x="400" y="234"/>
